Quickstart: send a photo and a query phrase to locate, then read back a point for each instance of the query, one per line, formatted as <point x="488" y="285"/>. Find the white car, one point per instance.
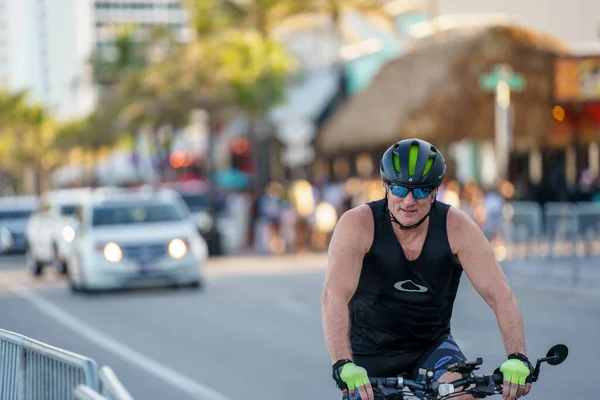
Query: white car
<point x="50" y="229"/>
<point x="136" y="239"/>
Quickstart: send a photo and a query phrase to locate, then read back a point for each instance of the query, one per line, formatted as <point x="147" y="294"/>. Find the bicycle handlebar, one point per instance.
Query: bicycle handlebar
<point x="486" y="382"/>
<point x="434" y="386"/>
<point x="484" y="385"/>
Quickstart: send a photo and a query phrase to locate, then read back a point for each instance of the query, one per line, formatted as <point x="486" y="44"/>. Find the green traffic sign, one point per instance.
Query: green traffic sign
<point x="515" y="81"/>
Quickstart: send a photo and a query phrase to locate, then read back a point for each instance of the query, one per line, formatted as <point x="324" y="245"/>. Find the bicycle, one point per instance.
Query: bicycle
<point x="478" y="386"/>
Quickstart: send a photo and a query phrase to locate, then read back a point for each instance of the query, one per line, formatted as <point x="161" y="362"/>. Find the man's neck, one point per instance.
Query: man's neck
<point x="411" y="234"/>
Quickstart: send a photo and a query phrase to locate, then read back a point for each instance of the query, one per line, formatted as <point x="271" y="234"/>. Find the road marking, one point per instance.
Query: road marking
<point x="161" y="371"/>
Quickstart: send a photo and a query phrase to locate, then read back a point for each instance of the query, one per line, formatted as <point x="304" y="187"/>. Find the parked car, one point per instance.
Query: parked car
<point x="135" y="238"/>
<point x="15" y="211"/>
<point x="52" y="227"/>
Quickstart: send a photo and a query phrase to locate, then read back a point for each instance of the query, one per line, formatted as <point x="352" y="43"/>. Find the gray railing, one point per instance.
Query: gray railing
<point x="559" y="240"/>
<point x="110" y="386"/>
<point x="32" y="370"/>
<point x="83" y="392"/>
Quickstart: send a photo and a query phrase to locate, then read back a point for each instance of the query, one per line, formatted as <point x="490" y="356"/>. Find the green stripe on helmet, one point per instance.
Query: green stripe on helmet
<point x="428" y="166"/>
<point x="396" y="162"/>
<point x="412" y="159"/>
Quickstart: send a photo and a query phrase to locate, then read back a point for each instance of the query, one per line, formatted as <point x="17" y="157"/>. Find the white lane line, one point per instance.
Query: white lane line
<point x="160" y="371"/>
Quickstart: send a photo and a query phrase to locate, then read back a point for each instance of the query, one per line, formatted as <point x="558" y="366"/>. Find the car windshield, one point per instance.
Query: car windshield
<point x="195" y="202"/>
<point x="68" y="210"/>
<point x="135" y="214"/>
<point x="15" y="214"/>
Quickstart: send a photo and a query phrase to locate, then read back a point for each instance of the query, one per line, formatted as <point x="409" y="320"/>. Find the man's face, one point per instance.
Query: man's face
<point x="408" y="210"/>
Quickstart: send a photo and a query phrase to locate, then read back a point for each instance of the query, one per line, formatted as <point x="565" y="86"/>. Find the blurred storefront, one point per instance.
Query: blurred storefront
<point x="433" y="92"/>
<point x="576" y="128"/>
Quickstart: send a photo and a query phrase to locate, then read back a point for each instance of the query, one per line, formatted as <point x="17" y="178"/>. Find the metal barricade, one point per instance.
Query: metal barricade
<point x="561" y="229"/>
<point x="12" y="356"/>
<point x="560" y="241"/>
<point x="521" y="230"/>
<point x="110" y="386"/>
<point x="588" y="225"/>
<point x="83" y="392"/>
<point x="33" y="370"/>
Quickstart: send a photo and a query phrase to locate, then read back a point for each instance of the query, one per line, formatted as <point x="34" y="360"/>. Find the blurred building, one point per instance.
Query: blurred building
<point x="337" y="62"/>
<point x="46" y="45"/>
<point x="571" y="21"/>
<point x="24" y="62"/>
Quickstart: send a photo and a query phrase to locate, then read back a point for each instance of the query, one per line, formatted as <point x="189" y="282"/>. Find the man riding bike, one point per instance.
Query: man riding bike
<point x="393" y="273"/>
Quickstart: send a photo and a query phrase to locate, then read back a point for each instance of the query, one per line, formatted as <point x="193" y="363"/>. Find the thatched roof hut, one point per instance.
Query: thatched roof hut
<point x="433" y="92"/>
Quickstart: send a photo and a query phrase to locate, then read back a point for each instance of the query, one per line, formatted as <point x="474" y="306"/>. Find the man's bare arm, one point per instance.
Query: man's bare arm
<point x="351" y="240"/>
<point x="479" y="263"/>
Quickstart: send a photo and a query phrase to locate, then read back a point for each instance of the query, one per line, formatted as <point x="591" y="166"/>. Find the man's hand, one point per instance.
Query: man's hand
<point x="350" y="377"/>
<point x="515" y="374"/>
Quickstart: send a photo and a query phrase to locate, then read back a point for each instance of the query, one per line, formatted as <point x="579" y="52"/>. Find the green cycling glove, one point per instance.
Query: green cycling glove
<point x="515" y="371"/>
<point x="354" y="376"/>
<point x="349" y="375"/>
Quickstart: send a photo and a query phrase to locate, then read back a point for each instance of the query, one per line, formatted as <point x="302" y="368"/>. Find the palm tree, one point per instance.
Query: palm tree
<point x="91" y="134"/>
<point x="210" y="16"/>
<point x="27" y="132"/>
<point x="132" y="54"/>
<point x="213" y="17"/>
<point x="12" y="105"/>
<point x="236" y="68"/>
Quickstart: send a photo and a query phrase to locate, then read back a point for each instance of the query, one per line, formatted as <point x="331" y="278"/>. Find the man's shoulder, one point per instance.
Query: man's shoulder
<point x="356" y="227"/>
<point x="460" y="227"/>
<point x="358" y="215"/>
<point x="456" y="219"/>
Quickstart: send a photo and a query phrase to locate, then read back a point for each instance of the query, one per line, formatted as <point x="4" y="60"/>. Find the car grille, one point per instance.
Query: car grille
<point x="145" y="252"/>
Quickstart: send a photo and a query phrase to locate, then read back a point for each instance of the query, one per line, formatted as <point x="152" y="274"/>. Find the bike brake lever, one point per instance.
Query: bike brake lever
<point x="482" y="392"/>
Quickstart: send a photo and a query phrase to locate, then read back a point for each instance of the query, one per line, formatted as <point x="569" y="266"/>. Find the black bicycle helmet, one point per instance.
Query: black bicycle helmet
<point x="413" y="162"/>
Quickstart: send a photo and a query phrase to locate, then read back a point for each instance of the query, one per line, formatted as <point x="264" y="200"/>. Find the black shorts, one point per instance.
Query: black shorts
<point x="437" y="357"/>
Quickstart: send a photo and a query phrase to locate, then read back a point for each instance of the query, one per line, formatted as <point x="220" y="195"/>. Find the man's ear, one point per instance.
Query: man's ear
<point x="435" y="192"/>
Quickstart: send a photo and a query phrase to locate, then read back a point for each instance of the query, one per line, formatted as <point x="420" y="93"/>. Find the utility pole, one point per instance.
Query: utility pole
<point x="502" y="80"/>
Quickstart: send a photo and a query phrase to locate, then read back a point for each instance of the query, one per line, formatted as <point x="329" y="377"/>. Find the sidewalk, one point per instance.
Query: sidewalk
<point x="266" y="264"/>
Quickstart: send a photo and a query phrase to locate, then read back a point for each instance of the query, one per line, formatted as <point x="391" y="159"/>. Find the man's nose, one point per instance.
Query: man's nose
<point x="409" y="199"/>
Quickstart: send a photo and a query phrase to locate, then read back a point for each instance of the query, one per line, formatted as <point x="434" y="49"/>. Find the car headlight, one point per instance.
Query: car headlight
<point x="112" y="252"/>
<point x="68" y="233"/>
<point x="177" y="248"/>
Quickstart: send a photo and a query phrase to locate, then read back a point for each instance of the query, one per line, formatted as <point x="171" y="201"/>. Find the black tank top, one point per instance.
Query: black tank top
<point x="401" y="305"/>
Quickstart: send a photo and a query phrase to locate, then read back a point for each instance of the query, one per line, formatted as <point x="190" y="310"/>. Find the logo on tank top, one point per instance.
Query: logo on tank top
<point x="410" y="286"/>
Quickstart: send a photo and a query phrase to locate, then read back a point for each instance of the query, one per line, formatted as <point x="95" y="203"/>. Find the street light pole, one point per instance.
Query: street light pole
<point x="502" y="80"/>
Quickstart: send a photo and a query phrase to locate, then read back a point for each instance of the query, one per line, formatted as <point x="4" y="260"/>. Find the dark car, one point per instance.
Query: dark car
<point x="206" y="214"/>
<point x="14" y="213"/>
<point x="205" y="210"/>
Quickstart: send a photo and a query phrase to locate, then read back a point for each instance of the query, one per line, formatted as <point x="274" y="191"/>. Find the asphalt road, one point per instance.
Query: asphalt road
<point x="255" y="332"/>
